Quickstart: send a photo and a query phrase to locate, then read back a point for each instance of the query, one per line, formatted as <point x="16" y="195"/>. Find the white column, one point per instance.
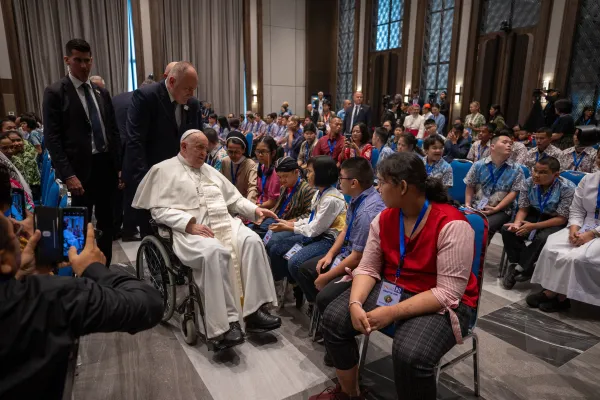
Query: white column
<point x="461" y="61"/>
<point x="147" y="40"/>
<point x="361" y="15"/>
<point x="554" y="32"/>
<point x="410" y="55"/>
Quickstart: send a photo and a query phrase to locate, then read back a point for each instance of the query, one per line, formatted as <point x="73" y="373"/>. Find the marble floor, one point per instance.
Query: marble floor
<point x="524" y="354"/>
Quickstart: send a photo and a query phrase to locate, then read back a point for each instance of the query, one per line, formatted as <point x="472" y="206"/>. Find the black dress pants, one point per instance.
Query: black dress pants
<point x="307" y="274"/>
<point x="98" y="197"/>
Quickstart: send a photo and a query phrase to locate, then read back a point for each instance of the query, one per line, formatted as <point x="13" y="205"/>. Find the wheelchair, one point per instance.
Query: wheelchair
<point x="157" y="264"/>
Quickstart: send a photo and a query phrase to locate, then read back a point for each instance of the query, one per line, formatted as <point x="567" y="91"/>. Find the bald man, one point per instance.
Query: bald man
<point x="168" y="68"/>
<point x="156" y="119"/>
<point x="228" y="259"/>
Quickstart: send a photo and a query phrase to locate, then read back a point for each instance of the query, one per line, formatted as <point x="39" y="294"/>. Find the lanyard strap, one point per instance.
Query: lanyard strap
<point x="577" y="161"/>
<point x="288" y="198"/>
<point x="234" y="173"/>
<point x="312" y="213"/>
<point x="493" y="178"/>
<point x="597" y="204"/>
<point x="331" y="148"/>
<point x="357" y="204"/>
<point x="481" y="150"/>
<point x="429" y="168"/>
<point x="537" y="156"/>
<point x="542" y="202"/>
<point x="402" y="237"/>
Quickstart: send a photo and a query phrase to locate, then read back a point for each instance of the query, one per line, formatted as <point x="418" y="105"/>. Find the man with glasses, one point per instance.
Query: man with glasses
<point x="238" y="168"/>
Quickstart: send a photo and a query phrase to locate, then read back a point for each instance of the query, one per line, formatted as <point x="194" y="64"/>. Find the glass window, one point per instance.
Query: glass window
<point x="436" y="54"/>
<point x="345" y="63"/>
<point x="520" y="14"/>
<point x="131" y="70"/>
<point x="387" y="24"/>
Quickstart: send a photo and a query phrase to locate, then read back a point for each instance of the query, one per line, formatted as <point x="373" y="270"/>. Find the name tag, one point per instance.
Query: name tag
<point x="482" y="203"/>
<point x="532" y="235"/>
<point x="337" y="261"/>
<point x="267" y="236"/>
<point x="389" y="294"/>
<point x="589" y="227"/>
<point x="296" y="248"/>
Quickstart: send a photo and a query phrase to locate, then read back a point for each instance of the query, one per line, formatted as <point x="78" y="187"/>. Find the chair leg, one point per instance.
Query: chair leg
<point x="283" y="291"/>
<point x="438" y="371"/>
<point x="476" y="364"/>
<point x="363" y="346"/>
<point x="317" y="318"/>
<point x="501" y="266"/>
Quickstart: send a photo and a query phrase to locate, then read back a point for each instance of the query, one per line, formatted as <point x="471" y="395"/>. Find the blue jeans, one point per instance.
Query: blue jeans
<point x="282" y="267"/>
<point x="263" y="228"/>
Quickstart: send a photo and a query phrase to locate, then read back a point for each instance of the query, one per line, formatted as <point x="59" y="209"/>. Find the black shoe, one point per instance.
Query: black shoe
<point x="261" y="321"/>
<point x="522" y="277"/>
<point x="535" y="299"/>
<point x="299" y="296"/>
<point x="233" y="336"/>
<point x="555" y="305"/>
<point x="134" y="238"/>
<point x="327" y="360"/>
<point x="508" y="282"/>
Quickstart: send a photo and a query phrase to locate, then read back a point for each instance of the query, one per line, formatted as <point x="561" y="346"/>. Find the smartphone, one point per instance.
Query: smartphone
<point x="74" y="222"/>
<point x="18" y="207"/>
<point x="48" y="250"/>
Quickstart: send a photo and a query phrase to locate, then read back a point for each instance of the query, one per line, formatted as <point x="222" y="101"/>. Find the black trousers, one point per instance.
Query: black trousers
<point x="307" y="274"/>
<point x="495" y="223"/>
<point x="99" y="194"/>
<point x="117" y="211"/>
<point x="518" y="252"/>
<point x="419" y="343"/>
<point x="132" y="218"/>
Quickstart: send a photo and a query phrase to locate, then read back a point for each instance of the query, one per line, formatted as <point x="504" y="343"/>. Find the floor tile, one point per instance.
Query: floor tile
<point x="581" y="315"/>
<point x="547" y="338"/>
<point x="130" y="249"/>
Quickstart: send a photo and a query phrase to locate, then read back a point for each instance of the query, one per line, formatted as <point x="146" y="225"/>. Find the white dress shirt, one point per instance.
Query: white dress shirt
<point x="79" y="89"/>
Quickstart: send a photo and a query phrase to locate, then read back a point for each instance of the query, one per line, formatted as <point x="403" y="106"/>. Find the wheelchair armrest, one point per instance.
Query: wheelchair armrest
<point x="162" y="231"/>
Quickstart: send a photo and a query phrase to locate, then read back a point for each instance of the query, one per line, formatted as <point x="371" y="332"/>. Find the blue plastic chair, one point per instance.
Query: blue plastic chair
<point x="250" y="140"/>
<point x="420" y="143"/>
<point x="479" y="224"/>
<point x="374" y="157"/>
<point x="53" y="196"/>
<point x="320" y="134"/>
<point x="573" y="176"/>
<point x="50" y="180"/>
<point x="596" y="146"/>
<point x="460" y="168"/>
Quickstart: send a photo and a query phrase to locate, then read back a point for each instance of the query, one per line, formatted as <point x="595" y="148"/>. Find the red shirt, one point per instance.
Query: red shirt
<point x="419" y="272"/>
<point x="322" y="147"/>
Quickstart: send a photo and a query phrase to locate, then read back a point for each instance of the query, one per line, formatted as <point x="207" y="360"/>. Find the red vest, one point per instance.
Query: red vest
<point x="419" y="272"/>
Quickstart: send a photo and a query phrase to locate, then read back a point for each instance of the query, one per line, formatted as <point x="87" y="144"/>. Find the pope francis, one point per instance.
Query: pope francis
<point x="228" y="259"/>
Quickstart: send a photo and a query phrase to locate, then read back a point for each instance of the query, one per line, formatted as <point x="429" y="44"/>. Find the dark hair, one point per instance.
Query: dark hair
<point x="223" y="123"/>
<point x="326" y="102"/>
<point x="547" y="131"/>
<point x="310" y="127"/>
<point x="551" y="162"/>
<point x="382" y="134"/>
<point x="29" y="120"/>
<point x="211" y="135"/>
<point x="459" y="127"/>
<point x="326" y="171"/>
<point x="148" y="82"/>
<point x="360" y="169"/>
<point x="409" y="167"/>
<point x="272" y="115"/>
<point x="506" y="132"/>
<point x="269" y="141"/>
<point x="436" y="105"/>
<point x="430" y="122"/>
<point x="588" y="108"/>
<point x="213" y="116"/>
<point x="234" y="124"/>
<point x="79" y="45"/>
<point x="587" y="135"/>
<point x="431" y="140"/>
<point x="496" y="107"/>
<point x="563" y="106"/>
<point x="519" y="125"/>
<point x="4" y="135"/>
<point x="5" y="188"/>
<point x="5" y="120"/>
<point x="364" y="132"/>
<point x="411" y="141"/>
<point x="491" y="127"/>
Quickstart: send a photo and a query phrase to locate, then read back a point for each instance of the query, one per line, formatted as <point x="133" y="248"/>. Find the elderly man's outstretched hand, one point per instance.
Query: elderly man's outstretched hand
<point x="263" y="213"/>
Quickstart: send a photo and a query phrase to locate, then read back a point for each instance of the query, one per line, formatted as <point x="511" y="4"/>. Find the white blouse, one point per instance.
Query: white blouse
<point x="584" y="202"/>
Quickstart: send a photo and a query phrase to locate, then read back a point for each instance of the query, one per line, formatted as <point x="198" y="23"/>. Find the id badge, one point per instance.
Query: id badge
<point x="267" y="236"/>
<point x="389" y="294"/>
<point x="589" y="227"/>
<point x="297" y="247"/>
<point x="337" y="261"/>
<point x="482" y="203"/>
<point x="532" y="235"/>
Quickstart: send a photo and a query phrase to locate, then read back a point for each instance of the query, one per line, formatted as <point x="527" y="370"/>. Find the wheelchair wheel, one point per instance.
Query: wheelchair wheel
<point x="188" y="328"/>
<point x="153" y="265"/>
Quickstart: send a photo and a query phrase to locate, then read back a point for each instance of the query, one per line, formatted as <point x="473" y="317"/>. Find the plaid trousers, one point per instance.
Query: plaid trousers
<point x="419" y="343"/>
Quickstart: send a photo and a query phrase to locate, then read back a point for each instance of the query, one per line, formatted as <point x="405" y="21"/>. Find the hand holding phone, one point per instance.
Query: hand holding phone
<point x="91" y="253"/>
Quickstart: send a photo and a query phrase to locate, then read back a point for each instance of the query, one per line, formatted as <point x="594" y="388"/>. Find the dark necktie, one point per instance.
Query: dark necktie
<point x="95" y="120"/>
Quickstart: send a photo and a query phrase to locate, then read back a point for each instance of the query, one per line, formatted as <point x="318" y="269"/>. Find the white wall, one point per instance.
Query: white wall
<point x="284" y="55"/>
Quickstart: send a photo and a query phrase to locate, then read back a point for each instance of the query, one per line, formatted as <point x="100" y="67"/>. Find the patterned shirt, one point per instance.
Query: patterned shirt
<point x="36" y="137"/>
<point x="26" y="163"/>
<point x="306" y="151"/>
<point x="518" y="151"/>
<point x="384" y="152"/>
<point x="560" y="197"/>
<point x="586" y="160"/>
<point x="478" y="177"/>
<point x="478" y="152"/>
<point x="272" y="129"/>
<point x="476" y="120"/>
<point x="441" y="170"/>
<point x="369" y="208"/>
<point x="532" y="156"/>
<point x="299" y="206"/>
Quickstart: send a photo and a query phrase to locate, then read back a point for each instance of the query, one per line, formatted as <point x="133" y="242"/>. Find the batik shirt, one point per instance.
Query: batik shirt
<point x="441" y="170"/>
<point x="556" y="200"/>
<point x="478" y="152"/>
<point x="586" y="160"/>
<point x="26" y="162"/>
<point x="533" y="155"/>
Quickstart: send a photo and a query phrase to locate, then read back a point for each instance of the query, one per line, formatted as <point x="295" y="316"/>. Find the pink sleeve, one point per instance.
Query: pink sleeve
<point x="454" y="259"/>
<point x="372" y="258"/>
<point x="273" y="187"/>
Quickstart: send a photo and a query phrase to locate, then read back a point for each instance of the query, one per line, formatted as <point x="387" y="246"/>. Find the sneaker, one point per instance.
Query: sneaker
<point x="508" y="282"/>
<point x="335" y="393"/>
<point x="535" y="299"/>
<point x="555" y="305"/>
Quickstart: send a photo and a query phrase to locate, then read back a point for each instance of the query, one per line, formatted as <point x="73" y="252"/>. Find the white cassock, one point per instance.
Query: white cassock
<point x="232" y="264"/>
<point x="564" y="268"/>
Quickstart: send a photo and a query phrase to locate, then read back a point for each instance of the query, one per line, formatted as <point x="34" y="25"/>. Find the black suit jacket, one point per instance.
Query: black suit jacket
<point x="152" y="133"/>
<point x="363" y="115"/>
<point x="68" y="131"/>
<point x="121" y="104"/>
<point x="314" y="116"/>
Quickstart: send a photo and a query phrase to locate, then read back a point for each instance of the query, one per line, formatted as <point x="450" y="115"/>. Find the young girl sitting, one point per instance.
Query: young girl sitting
<point x="267" y="181"/>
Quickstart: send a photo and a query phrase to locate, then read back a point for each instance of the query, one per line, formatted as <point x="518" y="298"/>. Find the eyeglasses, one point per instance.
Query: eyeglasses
<point x="340" y="179"/>
<point x="262" y="152"/>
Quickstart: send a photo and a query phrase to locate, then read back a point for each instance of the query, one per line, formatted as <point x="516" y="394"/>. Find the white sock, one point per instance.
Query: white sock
<point x="519" y="268"/>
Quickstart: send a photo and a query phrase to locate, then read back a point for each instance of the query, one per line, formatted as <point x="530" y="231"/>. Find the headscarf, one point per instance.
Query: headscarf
<point x="286" y="164"/>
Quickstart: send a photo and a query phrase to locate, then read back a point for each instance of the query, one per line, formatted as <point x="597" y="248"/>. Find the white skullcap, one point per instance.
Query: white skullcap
<point x="188" y="133"/>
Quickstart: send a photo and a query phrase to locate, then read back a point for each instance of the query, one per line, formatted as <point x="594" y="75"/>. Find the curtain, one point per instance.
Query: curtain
<point x="45" y="27"/>
<point x="207" y="33"/>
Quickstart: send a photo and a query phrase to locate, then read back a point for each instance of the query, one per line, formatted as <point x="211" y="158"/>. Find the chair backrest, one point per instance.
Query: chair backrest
<point x="526" y="171"/>
<point x="49" y="182"/>
<point x="250" y="140"/>
<point x="374" y="157"/>
<point x="460" y="168"/>
<point x="573" y="176"/>
<point x="420" y="143"/>
<point x="596" y="146"/>
<point x="53" y="196"/>
<point x="320" y="134"/>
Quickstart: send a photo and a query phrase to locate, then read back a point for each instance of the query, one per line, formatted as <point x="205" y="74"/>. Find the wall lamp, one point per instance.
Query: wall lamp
<point x="254" y="95"/>
<point x="457" y="93"/>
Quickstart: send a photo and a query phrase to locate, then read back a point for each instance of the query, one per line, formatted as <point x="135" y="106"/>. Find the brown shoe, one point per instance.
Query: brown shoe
<point x="335" y="393"/>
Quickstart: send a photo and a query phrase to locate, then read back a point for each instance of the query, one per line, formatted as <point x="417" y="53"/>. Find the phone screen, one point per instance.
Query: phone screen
<point x="48" y="248"/>
<point x="17" y="208"/>
<point x="74" y="227"/>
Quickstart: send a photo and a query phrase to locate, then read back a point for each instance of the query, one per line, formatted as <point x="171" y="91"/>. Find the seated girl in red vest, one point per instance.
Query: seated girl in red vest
<point x="420" y="281"/>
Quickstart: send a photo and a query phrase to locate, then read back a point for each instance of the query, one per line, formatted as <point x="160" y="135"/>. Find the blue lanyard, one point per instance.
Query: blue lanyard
<point x="543" y="202"/>
<point x="288" y="198"/>
<point x="402" y="237"/>
<point x="306" y="154"/>
<point x="597" y="204"/>
<point x="480" y="151"/>
<point x="213" y="159"/>
<point x="331" y="148"/>
<point x="263" y="179"/>
<point x="588" y="121"/>
<point x="429" y="168"/>
<point x="537" y="156"/>
<point x="576" y="161"/>
<point x="234" y="173"/>
<point x="494" y="179"/>
<point x="312" y="213"/>
<point x="351" y="223"/>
